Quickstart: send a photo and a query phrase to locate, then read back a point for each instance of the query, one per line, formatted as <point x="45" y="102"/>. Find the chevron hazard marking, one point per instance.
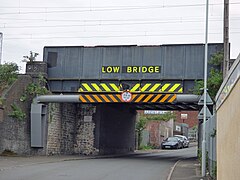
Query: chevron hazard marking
<point x="127" y="97"/>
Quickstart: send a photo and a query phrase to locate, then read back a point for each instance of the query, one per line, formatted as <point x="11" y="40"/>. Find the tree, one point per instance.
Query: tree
<point x="161" y="117"/>
<point x="215" y="78"/>
<point x="8" y="74"/>
<point x="214" y="82"/>
<point x="140" y="126"/>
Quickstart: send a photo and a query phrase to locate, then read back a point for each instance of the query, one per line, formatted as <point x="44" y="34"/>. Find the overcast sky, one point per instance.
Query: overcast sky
<point x="30" y="25"/>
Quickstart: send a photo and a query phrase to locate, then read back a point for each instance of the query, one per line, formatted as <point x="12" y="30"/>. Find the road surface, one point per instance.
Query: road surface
<point x="140" y="166"/>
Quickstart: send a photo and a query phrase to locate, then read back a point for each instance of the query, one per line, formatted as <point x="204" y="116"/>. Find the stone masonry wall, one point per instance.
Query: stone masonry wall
<point x="85" y="126"/>
<point x="54" y="128"/>
<point x="68" y="128"/>
<point x="71" y="129"/>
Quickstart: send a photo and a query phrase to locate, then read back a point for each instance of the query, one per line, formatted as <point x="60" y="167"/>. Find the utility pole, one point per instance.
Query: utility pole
<point x="226" y="38"/>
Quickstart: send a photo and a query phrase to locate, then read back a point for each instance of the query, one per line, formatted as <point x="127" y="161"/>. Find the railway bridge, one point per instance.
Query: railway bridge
<point x="97" y="90"/>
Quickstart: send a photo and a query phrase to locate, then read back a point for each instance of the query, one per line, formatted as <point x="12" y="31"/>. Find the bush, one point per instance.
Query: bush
<point x="215" y="78"/>
<point x="8" y="74"/>
<point x="146" y="147"/>
<point x="17" y="113"/>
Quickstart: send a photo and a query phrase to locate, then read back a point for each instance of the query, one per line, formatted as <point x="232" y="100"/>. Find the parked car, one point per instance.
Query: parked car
<point x="172" y="143"/>
<point x="184" y="140"/>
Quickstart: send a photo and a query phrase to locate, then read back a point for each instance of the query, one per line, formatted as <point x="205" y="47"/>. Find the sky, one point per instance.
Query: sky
<point x="30" y="25"/>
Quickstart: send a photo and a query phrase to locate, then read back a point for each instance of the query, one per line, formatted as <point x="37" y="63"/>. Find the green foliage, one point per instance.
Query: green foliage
<point x="199" y="155"/>
<point x="207" y="161"/>
<point x="35" y="89"/>
<point x="214" y="82"/>
<point x="23" y="98"/>
<point x="146" y="147"/>
<point x="213" y="133"/>
<point x="161" y="117"/>
<point x="217" y="58"/>
<point x="197" y="87"/>
<point x="17" y="113"/>
<point x="215" y="78"/>
<point x="141" y="124"/>
<point x="8" y="74"/>
<point x="195" y="127"/>
<point x="1" y="101"/>
<point x="214" y="170"/>
<point x="32" y="57"/>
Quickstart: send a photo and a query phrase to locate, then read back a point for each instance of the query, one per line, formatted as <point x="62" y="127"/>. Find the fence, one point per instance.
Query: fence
<point x="210" y="144"/>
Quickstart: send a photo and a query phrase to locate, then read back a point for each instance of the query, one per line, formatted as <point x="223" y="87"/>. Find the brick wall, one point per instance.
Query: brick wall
<point x="158" y="131"/>
<point x="192" y="118"/>
<point x="15" y="134"/>
<point x="70" y="127"/>
<point x="154" y="132"/>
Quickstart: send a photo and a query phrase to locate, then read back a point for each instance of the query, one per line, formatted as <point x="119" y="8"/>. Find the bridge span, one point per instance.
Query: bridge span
<point x="97" y="90"/>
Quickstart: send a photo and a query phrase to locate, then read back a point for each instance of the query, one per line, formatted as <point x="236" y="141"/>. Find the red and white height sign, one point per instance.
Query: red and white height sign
<point x="126" y="96"/>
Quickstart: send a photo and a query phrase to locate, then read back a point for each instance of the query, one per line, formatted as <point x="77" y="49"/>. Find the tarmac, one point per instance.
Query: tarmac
<point x="185" y="169"/>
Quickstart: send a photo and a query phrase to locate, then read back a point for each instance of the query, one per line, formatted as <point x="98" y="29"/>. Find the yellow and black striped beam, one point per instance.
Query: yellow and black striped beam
<point x="162" y="87"/>
<point x="99" y="87"/>
<point x="137" y="87"/>
<point x="136" y="98"/>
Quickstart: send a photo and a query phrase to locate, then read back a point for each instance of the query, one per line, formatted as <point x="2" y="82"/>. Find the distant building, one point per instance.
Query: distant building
<point x="158" y="131"/>
<point x="186" y="124"/>
<point x="187" y="117"/>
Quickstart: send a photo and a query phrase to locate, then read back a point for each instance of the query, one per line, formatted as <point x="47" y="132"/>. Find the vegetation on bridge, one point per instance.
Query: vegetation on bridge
<point x="8" y="74"/>
<point x="215" y="78"/>
<point x="35" y="89"/>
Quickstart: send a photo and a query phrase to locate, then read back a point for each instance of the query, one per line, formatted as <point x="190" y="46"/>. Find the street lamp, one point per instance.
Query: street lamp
<point x="205" y="96"/>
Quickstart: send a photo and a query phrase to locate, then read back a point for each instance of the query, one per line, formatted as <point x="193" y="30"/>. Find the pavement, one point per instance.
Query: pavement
<point x="187" y="169"/>
<point x="184" y="169"/>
